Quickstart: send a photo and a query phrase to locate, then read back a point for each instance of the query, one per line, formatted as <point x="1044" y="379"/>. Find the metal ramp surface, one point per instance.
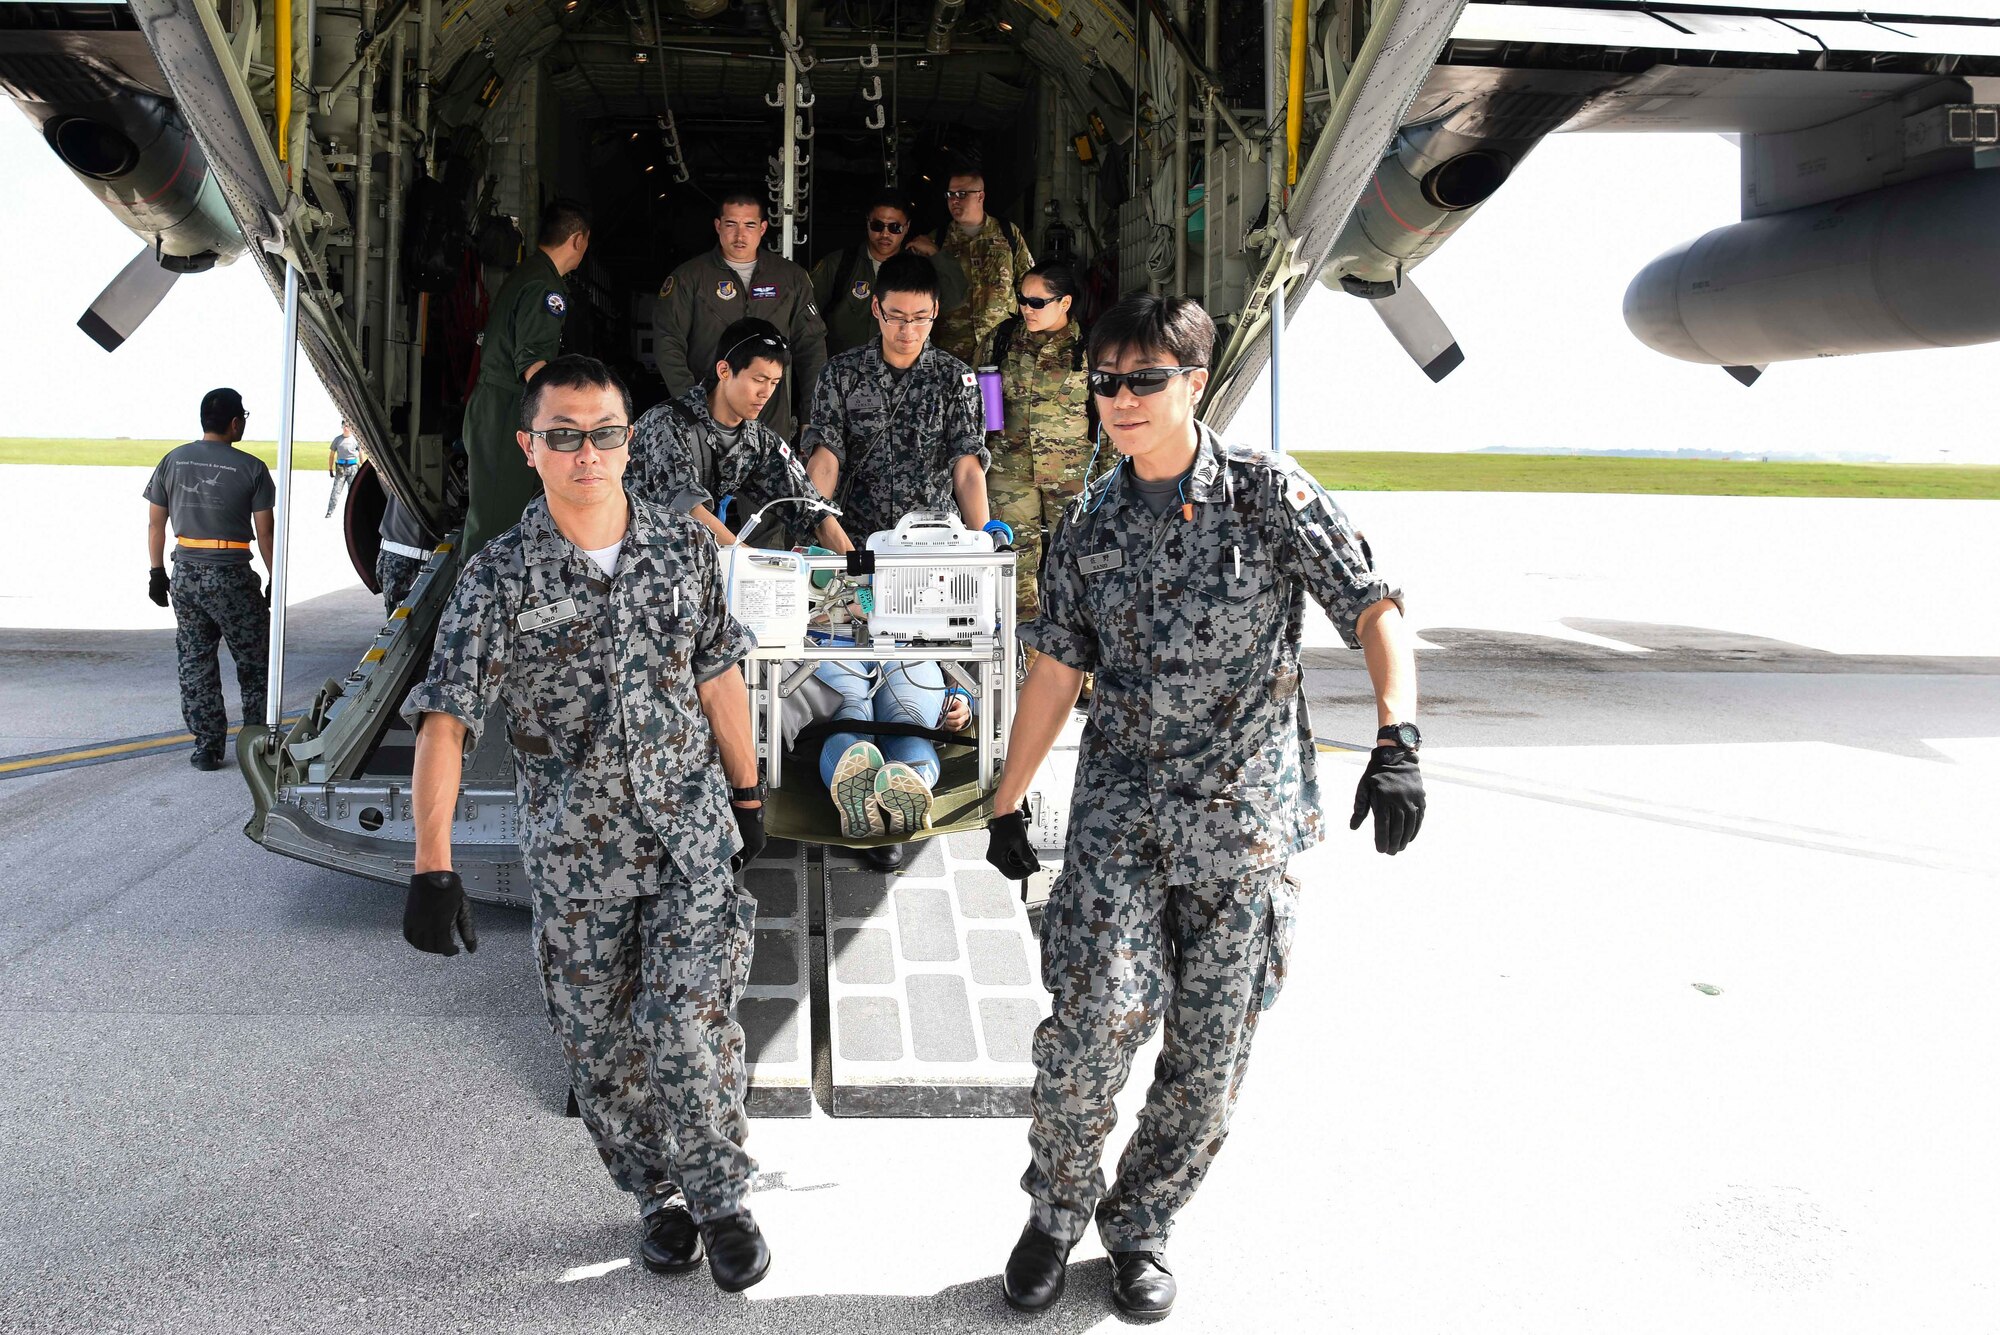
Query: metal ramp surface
<point x="775" y="1008"/>
<point x="933" y="985"/>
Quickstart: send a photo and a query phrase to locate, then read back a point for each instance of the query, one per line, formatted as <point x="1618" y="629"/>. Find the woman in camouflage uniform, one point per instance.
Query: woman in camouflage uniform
<point x="1041" y="454"/>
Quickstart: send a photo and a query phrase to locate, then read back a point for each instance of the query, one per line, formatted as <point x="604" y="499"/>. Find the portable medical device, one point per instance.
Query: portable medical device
<point x="936" y="600"/>
<point x="767" y="593"/>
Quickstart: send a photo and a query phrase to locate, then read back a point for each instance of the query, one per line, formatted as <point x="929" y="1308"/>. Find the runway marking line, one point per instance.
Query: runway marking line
<point x="126" y="749"/>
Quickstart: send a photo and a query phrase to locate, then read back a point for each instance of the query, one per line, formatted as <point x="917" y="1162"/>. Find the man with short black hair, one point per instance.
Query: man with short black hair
<point x="1179" y="578"/>
<point x="216" y="496"/>
<point x="994" y="256"/>
<point x="596" y="632"/>
<point x="843" y="281"/>
<point x="739" y="278"/>
<point x="523" y="333"/>
<point x="692" y="453"/>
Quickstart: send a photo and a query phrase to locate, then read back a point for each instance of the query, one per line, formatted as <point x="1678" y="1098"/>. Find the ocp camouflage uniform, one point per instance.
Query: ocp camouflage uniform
<point x="896" y="438"/>
<point x="681" y="459"/>
<point x="1039" y="457"/>
<point x="1194" y="784"/>
<point x="214" y="603"/>
<point x="994" y="259"/>
<point x="626" y="834"/>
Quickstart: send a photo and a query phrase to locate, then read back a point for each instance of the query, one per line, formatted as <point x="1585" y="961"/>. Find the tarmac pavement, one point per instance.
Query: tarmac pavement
<point x="1678" y="1016"/>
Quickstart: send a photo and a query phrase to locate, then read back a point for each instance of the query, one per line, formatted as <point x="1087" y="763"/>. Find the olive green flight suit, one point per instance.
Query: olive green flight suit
<point x="849" y="311"/>
<point x="705" y="296"/>
<point x="524" y="328"/>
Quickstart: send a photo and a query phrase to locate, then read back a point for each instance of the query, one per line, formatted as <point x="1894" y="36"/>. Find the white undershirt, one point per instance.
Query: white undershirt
<point x="606" y="557"/>
<point x="743" y="271"/>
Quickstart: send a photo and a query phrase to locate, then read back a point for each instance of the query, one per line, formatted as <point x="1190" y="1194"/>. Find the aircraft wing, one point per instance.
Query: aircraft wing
<point x="1390" y="69"/>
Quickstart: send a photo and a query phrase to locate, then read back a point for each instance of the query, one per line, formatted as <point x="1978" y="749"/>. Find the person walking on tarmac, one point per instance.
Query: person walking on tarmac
<point x="994" y="256"/>
<point x="843" y="282"/>
<point x="691" y="453"/>
<point x="216" y="496"/>
<point x="598" y="628"/>
<point x="739" y="278"/>
<point x="1041" y="454"/>
<point x="523" y="334"/>
<point x="343" y="461"/>
<point x="1179" y="578"/>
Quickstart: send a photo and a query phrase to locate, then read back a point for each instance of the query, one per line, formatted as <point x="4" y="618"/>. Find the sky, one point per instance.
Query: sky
<point x="1532" y="287"/>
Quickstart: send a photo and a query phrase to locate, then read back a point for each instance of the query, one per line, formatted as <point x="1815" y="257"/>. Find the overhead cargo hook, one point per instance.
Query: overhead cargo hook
<point x="776" y="97"/>
<point x="877" y="118"/>
<point x="873" y="58"/>
<point x="806" y="95"/>
<point x="873" y="92"/>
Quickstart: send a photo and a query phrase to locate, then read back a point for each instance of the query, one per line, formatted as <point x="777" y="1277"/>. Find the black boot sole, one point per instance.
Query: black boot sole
<point x="663" y="1268"/>
<point x="1142" y="1314"/>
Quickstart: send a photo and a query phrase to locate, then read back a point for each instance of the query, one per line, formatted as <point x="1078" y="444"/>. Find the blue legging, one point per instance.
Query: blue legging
<point x="910" y="693"/>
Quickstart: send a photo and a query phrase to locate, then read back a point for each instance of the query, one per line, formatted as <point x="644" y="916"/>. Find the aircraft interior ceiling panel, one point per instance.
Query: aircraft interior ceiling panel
<point x="1739" y="32"/>
<point x="1560" y="26"/>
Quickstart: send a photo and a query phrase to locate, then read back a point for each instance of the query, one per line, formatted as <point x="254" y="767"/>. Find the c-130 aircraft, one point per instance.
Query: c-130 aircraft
<point x="377" y="160"/>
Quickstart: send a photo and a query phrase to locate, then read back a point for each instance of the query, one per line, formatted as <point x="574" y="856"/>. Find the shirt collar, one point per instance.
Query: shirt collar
<point x="542" y="543"/>
<point x="1208" y="481"/>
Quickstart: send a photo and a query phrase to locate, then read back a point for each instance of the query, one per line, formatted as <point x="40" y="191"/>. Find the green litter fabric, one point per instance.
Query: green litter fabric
<point x="804" y="811"/>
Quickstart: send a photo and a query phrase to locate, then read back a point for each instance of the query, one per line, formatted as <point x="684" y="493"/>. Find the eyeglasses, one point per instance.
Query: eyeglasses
<point x="1036" y="303"/>
<point x="1150" y="380"/>
<point x="962" y="194"/>
<point x="568" y="440"/>
<point x="892" y="228"/>
<point x="909" y="321"/>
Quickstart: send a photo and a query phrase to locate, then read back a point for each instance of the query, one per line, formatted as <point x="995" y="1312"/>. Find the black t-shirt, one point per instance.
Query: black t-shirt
<point x="403" y="528"/>
<point x="210" y="490"/>
<point x="1158" y="495"/>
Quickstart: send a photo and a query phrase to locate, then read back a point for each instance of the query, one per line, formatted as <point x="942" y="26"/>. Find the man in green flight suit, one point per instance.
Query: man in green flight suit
<point x="736" y="280"/>
<point x="523" y="333"/>
<point x="843" y="282"/>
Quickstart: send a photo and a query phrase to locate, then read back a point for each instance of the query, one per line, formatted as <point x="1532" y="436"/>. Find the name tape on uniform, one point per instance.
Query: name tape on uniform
<point x="764" y="292"/>
<point x="549" y="614"/>
<point x="1096" y="563"/>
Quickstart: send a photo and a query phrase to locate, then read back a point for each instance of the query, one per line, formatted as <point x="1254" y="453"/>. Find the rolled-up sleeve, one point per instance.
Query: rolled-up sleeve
<point x="1318" y="544"/>
<point x="965" y="425"/>
<point x="474" y="647"/>
<point x="722" y="641"/>
<point x="1064" y="629"/>
<point x="827" y="427"/>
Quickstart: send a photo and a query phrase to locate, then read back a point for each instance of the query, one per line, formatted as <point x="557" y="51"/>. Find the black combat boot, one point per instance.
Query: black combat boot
<point x="1141" y="1285"/>
<point x="673" y="1244"/>
<point x="737" y="1254"/>
<point x="1036" y="1271"/>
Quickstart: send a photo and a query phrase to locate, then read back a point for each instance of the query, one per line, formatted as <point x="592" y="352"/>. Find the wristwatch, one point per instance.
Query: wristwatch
<point x="754" y="793"/>
<point x="1404" y="735"/>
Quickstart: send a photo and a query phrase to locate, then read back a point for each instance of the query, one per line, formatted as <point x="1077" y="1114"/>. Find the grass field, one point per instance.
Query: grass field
<point x="1358" y="471"/>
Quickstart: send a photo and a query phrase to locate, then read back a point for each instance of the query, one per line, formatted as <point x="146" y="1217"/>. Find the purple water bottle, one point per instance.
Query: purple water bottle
<point x="989" y="394"/>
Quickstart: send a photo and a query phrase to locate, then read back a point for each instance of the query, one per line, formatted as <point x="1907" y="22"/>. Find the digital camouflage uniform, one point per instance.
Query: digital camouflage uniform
<point x="1039" y="457"/>
<point x="396" y="571"/>
<point x="896" y="439"/>
<point x="1195" y="782"/>
<point x="704" y="296"/>
<point x="994" y="259"/>
<point x="681" y="463"/>
<point x="397" y="574"/>
<point x="845" y="292"/>
<point x="524" y="328"/>
<point x="211" y="490"/>
<point x="626" y="834"/>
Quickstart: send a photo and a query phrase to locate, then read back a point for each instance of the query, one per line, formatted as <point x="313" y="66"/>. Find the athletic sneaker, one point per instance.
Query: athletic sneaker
<point x="903" y="796"/>
<point x="854" y="791"/>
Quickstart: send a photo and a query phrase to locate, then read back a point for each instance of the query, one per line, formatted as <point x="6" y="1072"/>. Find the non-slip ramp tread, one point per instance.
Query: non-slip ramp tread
<point x="775" y="1010"/>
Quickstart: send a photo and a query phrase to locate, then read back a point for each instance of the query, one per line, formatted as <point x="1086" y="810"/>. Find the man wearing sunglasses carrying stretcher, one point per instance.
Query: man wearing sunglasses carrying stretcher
<point x="1179" y="578"/>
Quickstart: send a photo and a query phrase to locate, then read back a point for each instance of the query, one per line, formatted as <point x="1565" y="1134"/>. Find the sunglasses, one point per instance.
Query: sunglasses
<point x="1036" y="303"/>
<point x="568" y="440"/>
<point x="962" y="194"/>
<point x="772" y="341"/>
<point x="892" y="228"/>
<point x="1151" y="380"/>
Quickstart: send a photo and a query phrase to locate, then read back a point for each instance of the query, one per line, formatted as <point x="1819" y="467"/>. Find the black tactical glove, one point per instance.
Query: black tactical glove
<point x="749" y="825"/>
<point x="1007" y="846"/>
<point x="436" y="905"/>
<point x="1394" y="788"/>
<point x="156" y="585"/>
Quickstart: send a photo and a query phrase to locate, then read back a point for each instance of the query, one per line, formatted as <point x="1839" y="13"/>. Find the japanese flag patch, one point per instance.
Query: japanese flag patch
<point x="1299" y="494"/>
<point x="969" y="379"/>
<point x="554" y="301"/>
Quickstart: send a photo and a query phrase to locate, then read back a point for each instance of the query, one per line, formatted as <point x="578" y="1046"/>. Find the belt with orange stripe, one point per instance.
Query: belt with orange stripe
<point x="213" y="544"/>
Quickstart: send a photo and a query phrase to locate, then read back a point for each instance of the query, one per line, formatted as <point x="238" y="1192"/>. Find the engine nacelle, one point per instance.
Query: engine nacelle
<point x="1915" y="265"/>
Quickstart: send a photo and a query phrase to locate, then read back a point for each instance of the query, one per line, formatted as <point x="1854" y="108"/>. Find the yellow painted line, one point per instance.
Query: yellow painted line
<point x="374" y="655"/>
<point x="136" y="745"/>
<point x="400" y="614"/>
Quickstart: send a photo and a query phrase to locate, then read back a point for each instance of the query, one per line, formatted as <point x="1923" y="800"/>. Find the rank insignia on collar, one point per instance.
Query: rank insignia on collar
<point x="549" y="614"/>
<point x="1096" y="563"/>
<point x="726" y="289"/>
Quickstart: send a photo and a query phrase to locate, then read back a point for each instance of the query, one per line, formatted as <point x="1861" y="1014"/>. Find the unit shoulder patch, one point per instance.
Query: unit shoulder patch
<point x="555" y="303"/>
<point x="667" y="288"/>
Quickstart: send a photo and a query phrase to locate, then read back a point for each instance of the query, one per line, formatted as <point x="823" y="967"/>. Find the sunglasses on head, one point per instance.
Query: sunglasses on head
<point x="892" y="228"/>
<point x="1150" y="380"/>
<point x="568" y="440"/>
<point x="1036" y="303"/>
<point x="772" y="341"/>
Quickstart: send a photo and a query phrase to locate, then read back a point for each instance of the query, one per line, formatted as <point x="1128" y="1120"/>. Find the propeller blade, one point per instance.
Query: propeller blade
<point x="1417" y="327"/>
<point x="1745" y="376"/>
<point x="126" y="301"/>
